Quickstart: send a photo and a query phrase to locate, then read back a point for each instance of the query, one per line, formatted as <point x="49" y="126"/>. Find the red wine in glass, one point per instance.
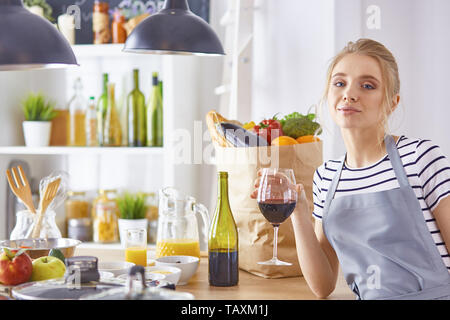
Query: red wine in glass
<point x="277" y="198"/>
<point x="276" y="211"/>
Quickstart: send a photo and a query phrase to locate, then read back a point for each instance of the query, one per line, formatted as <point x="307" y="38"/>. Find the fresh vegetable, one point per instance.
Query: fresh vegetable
<point x="299" y="126"/>
<point x="307" y="139"/>
<point x="269" y="129"/>
<point x="283" y="141"/>
<point x="239" y="137"/>
<point x="249" y="125"/>
<point x="58" y="254"/>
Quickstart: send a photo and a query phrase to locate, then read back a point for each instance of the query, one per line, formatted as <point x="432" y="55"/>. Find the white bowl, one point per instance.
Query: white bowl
<point x="187" y="264"/>
<point x="172" y="274"/>
<point x="115" y="267"/>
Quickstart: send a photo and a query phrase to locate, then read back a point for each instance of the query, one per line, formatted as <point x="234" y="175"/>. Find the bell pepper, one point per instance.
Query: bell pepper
<point x="249" y="125"/>
<point x="269" y="129"/>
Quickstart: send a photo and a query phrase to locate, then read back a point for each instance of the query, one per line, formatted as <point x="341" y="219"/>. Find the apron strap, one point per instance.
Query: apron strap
<point x="396" y="161"/>
<point x="333" y="186"/>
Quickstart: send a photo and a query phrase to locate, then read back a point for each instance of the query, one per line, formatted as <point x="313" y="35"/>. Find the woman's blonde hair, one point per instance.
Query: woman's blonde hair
<point x="389" y="71"/>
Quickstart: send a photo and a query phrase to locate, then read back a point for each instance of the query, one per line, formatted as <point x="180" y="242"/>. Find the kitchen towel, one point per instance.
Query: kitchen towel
<point x="255" y="232"/>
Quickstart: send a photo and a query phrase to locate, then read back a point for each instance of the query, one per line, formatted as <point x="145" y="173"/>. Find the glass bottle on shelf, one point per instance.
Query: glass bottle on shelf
<point x="155" y="115"/>
<point x="119" y="34"/>
<point x="91" y="124"/>
<point x="102" y="105"/>
<point x="100" y="22"/>
<point x="112" y="134"/>
<point x="77" y="116"/>
<point x="136" y="115"/>
<point x="60" y="127"/>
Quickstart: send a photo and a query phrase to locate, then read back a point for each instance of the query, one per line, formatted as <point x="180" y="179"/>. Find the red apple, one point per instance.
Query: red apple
<point x="15" y="267"/>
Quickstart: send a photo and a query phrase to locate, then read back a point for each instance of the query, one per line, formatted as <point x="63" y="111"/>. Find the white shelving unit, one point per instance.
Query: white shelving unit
<point x="91" y="168"/>
<point x="63" y="151"/>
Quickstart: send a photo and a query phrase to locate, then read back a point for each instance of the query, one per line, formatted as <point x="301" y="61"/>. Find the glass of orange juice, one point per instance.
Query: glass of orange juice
<point x="136" y="246"/>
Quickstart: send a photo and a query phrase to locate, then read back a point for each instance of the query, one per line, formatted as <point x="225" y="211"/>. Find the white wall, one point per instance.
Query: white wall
<point x="416" y="31"/>
<point x="295" y="40"/>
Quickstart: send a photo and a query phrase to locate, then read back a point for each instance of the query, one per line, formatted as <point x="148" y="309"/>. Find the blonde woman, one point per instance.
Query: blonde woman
<point x="382" y="211"/>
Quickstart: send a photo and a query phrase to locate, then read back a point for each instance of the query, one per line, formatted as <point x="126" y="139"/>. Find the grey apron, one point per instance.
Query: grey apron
<point x="384" y="247"/>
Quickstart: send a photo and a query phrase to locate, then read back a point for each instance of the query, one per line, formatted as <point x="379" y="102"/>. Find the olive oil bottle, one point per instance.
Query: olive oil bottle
<point x="223" y="250"/>
<point x="155" y="115"/>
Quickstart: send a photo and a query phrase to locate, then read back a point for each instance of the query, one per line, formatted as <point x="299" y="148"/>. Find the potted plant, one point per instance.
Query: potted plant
<point x="132" y="211"/>
<point x="38" y="116"/>
<point x="41" y="8"/>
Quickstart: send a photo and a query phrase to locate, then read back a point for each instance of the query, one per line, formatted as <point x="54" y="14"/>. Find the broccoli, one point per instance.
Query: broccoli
<point x="301" y="126"/>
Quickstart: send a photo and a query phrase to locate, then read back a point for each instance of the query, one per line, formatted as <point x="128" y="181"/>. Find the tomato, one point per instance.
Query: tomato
<point x="269" y="129"/>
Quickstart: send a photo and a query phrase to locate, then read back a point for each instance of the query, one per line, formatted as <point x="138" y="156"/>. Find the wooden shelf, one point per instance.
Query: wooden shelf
<point x="81" y="150"/>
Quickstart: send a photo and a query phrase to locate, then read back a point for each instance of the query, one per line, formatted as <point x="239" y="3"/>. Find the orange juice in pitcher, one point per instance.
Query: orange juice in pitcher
<point x="178" y="228"/>
<point x="177" y="247"/>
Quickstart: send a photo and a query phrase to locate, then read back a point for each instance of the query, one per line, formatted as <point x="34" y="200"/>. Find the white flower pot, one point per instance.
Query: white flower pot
<point x="125" y="224"/>
<point x="37" y="133"/>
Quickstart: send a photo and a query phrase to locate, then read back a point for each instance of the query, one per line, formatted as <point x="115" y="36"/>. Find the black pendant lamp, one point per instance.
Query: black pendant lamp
<point x="28" y="41"/>
<point x="174" y="30"/>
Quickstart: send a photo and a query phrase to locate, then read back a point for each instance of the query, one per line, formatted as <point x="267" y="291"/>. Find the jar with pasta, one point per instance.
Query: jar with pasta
<point x="104" y="212"/>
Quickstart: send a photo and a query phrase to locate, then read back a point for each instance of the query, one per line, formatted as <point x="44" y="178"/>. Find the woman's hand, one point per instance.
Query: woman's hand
<point x="301" y="210"/>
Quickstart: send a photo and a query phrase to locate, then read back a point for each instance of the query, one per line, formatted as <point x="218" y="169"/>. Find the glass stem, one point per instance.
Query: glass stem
<point x="275" y="243"/>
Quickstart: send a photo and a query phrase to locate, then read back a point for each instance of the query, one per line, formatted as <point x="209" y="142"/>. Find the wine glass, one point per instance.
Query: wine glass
<point x="277" y="198"/>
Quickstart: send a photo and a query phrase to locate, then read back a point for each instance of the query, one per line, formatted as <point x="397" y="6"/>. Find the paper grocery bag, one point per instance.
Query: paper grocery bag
<point x="255" y="232"/>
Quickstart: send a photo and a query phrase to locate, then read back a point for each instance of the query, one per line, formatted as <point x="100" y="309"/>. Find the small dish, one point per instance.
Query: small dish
<point x="172" y="274"/>
<point x="187" y="264"/>
<point x="115" y="267"/>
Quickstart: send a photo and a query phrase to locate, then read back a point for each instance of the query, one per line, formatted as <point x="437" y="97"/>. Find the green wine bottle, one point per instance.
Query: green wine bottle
<point x="102" y="105"/>
<point x="136" y="115"/>
<point x="155" y="115"/>
<point x="223" y="250"/>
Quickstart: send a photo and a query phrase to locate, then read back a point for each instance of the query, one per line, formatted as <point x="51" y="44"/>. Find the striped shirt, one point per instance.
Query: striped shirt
<point x="428" y="172"/>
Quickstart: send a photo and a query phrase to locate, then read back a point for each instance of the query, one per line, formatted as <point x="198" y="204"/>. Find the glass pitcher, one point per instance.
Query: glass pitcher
<point x="177" y="224"/>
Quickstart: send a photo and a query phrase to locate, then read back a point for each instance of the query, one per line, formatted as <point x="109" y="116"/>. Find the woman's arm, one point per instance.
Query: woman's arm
<point x="317" y="258"/>
<point x="442" y="215"/>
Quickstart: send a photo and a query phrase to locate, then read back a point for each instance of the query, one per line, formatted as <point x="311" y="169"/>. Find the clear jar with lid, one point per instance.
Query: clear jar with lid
<point x="105" y="214"/>
<point x="76" y="206"/>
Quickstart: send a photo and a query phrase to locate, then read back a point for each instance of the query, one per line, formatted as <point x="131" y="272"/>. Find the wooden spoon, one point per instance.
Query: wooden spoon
<point x="20" y="187"/>
<point x="47" y="198"/>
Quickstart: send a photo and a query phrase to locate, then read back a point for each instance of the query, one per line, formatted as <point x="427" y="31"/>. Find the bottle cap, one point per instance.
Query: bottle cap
<point x="223" y="174"/>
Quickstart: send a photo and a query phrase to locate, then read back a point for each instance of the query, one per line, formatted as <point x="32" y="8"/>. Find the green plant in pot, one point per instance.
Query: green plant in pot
<point x="38" y="114"/>
<point x="41" y="8"/>
<point x="132" y="210"/>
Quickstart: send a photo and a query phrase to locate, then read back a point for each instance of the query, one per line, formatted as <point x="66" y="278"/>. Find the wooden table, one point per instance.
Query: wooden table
<point x="250" y="287"/>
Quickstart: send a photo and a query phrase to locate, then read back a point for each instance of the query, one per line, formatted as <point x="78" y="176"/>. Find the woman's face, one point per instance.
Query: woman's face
<point x="355" y="94"/>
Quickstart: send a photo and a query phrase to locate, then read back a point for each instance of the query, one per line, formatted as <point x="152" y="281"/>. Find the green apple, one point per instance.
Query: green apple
<point x="47" y="267"/>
